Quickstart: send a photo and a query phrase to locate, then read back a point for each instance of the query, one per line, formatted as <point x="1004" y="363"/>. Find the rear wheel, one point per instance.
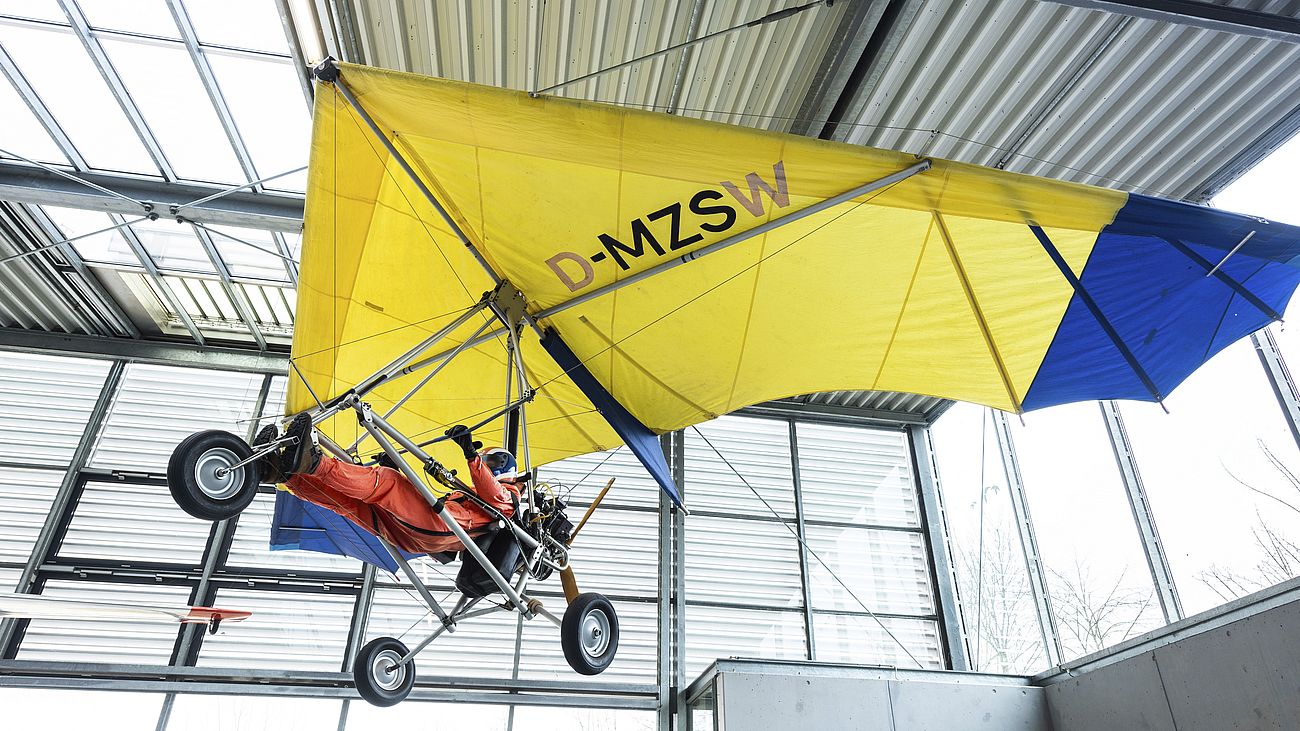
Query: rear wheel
<point x="381" y="678"/>
<point x="201" y="479"/>
<point x="589" y="634"/>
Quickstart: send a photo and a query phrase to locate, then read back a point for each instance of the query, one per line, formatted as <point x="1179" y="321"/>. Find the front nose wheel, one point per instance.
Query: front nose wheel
<point x="589" y="634"/>
<point x="206" y="479"/>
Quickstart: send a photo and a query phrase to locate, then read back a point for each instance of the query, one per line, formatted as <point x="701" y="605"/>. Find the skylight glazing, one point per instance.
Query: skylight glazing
<point x="24" y="134"/>
<point x="203" y="92"/>
<point x="61" y="73"/>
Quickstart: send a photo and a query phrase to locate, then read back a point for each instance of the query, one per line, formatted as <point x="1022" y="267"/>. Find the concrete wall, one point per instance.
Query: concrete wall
<point x="766" y="695"/>
<point x="1218" y="671"/>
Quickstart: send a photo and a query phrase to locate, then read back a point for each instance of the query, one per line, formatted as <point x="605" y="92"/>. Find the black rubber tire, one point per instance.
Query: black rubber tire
<point x="374" y="686"/>
<point x="586" y="653"/>
<point x="192" y="461"/>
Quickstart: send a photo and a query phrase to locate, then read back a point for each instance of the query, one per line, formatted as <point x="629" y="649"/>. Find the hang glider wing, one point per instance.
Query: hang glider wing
<point x="29" y="606"/>
<point x="959" y="282"/>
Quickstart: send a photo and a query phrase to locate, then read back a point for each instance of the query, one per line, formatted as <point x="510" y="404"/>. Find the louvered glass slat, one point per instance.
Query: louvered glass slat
<point x="582" y="478"/>
<point x="219" y="713"/>
<point x="25" y="499"/>
<point x="159" y="406"/>
<point x="759" y="449"/>
<point x="859" y="639"/>
<point x="288" y="631"/>
<point x="251" y="545"/>
<point x="42" y="708"/>
<point x="45" y="402"/>
<point x="481" y="647"/>
<point x="130" y="524"/>
<point x="134" y="642"/>
<point x="615" y="553"/>
<point x="742" y="562"/>
<point x="9" y="578"/>
<point x="713" y="633"/>
<point x="856" y="475"/>
<point x="542" y="658"/>
<point x="884" y="569"/>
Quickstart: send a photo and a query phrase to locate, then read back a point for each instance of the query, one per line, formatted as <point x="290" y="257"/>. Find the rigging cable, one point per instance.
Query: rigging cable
<point x="809" y="549"/>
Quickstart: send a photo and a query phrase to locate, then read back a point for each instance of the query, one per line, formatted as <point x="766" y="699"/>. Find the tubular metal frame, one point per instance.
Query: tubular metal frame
<point x="506" y="307"/>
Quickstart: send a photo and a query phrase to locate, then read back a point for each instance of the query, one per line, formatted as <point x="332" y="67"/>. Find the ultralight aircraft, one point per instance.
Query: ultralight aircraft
<point x="570" y="276"/>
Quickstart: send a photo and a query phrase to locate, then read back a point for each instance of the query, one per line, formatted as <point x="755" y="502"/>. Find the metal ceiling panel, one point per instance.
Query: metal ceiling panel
<point x="1077" y="94"/>
<point x="35" y="294"/>
<point x="756" y="76"/>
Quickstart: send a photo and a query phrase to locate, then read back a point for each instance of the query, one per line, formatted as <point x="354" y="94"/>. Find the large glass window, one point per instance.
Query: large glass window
<point x="218" y="713"/>
<point x="30" y="708"/>
<point x="1100" y="585"/>
<point x="1220" y="469"/>
<point x="1003" y="634"/>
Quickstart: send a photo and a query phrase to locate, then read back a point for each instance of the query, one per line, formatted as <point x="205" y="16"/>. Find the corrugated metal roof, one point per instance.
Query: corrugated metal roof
<point x="756" y="76"/>
<point x="1077" y="94"/>
<point x="34" y="294"/>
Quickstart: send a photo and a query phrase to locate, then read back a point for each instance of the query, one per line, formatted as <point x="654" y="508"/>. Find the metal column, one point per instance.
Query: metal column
<point x="1279" y="377"/>
<point x="1162" y="576"/>
<point x="935" y="523"/>
<point x="679" y="709"/>
<point x="190" y="639"/>
<point x="805" y="579"/>
<point x="664" y="623"/>
<point x="62" y="501"/>
<point x="1028" y="541"/>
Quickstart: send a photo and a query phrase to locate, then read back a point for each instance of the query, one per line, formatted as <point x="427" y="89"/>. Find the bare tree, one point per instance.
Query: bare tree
<point x="1091" y="615"/>
<point x="1000" y="618"/>
<point x="999" y="610"/>
<point x="1279" y="556"/>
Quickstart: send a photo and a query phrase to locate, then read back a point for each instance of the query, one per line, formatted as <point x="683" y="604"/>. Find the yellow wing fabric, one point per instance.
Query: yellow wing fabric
<point x="933" y="286"/>
<point x="381" y="272"/>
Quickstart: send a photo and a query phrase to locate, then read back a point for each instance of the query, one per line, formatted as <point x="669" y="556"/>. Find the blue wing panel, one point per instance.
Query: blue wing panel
<point x="298" y="524"/>
<point x="1160" y="301"/>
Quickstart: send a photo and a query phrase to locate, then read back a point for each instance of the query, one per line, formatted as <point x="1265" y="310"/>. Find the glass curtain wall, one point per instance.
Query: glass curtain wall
<point x="860" y="587"/>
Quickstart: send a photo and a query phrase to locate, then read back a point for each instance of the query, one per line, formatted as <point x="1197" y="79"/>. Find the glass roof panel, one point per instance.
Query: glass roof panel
<point x="173" y="246"/>
<point x="178" y="111"/>
<point x="24" y="135"/>
<point x="39" y="9"/>
<point x="56" y="65"/>
<point x="252" y="24"/>
<point x="109" y="247"/>
<point x="271" y="308"/>
<point x="270" y="111"/>
<point x="244" y="260"/>
<point x="150" y="17"/>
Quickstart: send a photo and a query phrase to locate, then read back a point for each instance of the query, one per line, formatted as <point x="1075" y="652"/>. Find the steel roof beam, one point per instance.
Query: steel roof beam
<point x="268" y="211"/>
<point x="175" y="353"/>
<point x="1226" y="19"/>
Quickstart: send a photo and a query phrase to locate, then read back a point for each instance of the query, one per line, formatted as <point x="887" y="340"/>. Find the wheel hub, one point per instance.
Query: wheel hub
<point x="213" y="475"/>
<point x="387" y="669"/>
<point x="595" y="633"/>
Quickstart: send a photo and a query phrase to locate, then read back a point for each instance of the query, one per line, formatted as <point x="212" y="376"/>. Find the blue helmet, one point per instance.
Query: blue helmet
<point x="501" y="462"/>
